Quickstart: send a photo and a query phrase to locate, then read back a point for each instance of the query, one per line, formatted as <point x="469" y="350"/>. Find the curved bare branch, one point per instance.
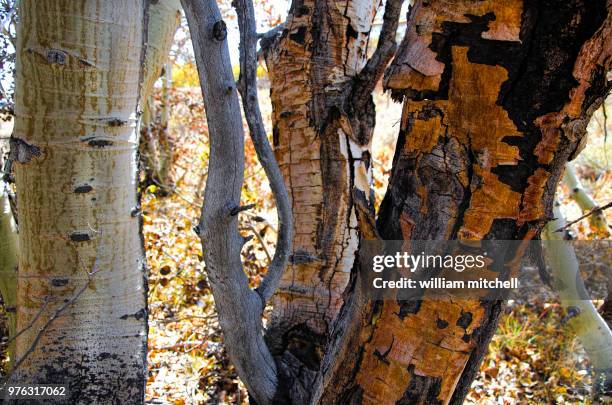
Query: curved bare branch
<point x="247" y="86"/>
<point x="238" y="306"/>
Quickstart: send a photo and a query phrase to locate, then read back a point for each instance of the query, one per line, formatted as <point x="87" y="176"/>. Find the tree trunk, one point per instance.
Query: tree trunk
<point x="156" y="153"/>
<point x="497" y="97"/>
<point x="583" y="318"/>
<point x="321" y="138"/>
<point x="489" y="120"/>
<point x="9" y="248"/>
<point x="82" y="280"/>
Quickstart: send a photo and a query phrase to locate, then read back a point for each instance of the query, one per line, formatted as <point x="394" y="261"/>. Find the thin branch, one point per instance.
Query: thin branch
<point x="261" y="241"/>
<point x="32" y="322"/>
<point x="47" y="324"/>
<point x="588" y="214"/>
<point x="385" y="49"/>
<point x="239" y="308"/>
<point x="272" y="33"/>
<point x="247" y="86"/>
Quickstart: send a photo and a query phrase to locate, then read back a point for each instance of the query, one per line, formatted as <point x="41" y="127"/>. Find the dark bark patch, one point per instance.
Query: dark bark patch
<point x="59" y="282"/>
<point x="350" y="32"/>
<point x="79" y="236"/>
<point x="421" y="389"/>
<point x="408" y="307"/>
<point x="299" y="36"/>
<point x="441" y="323"/>
<point x="85" y="188"/>
<point x="138" y="315"/>
<point x="21" y="151"/>
<point x="56" y="57"/>
<point x="99" y="143"/>
<point x="116" y="122"/>
<point x="464" y="320"/>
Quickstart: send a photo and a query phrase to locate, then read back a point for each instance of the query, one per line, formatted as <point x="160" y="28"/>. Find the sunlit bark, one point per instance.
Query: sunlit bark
<point x="82" y="281"/>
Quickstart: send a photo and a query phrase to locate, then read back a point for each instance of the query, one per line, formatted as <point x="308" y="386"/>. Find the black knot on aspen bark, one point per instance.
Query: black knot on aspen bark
<point x="56" y="57"/>
<point x="99" y="143"/>
<point x="219" y="31"/>
<point x="21" y="151"/>
<point x="116" y="122"/>
<point x="59" y="282"/>
<point x="85" y="188"/>
<point x="79" y="236"/>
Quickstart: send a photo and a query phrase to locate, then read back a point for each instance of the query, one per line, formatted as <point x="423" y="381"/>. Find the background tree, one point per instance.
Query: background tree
<point x="496" y="95"/>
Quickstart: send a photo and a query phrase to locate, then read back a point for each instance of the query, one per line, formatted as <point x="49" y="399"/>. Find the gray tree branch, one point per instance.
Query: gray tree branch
<point x="247" y="86"/>
<point x="238" y="306"/>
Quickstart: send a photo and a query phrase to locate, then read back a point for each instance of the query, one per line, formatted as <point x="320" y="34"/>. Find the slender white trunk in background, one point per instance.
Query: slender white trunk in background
<point x="585" y="321"/>
<point x="584" y="200"/>
<point x="164" y="20"/>
<point x="9" y="248"/>
<point x="82" y="283"/>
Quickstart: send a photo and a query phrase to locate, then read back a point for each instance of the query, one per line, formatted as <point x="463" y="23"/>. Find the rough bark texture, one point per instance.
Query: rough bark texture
<point x="322" y="145"/>
<point x="497" y="97"/>
<point x="239" y="308"/>
<point x="82" y="281"/>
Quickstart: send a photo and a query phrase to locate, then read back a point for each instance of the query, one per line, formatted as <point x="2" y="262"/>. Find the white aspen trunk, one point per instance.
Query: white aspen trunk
<point x="590" y="328"/>
<point x="164" y="19"/>
<point x="9" y="248"/>
<point x="82" y="280"/>
<point x="584" y="200"/>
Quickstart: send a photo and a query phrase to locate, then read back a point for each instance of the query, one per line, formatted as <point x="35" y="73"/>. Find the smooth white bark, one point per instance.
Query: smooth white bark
<point x="82" y="284"/>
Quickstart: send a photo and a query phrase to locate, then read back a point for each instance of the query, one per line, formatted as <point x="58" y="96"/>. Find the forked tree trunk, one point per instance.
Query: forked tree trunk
<point x="82" y="281"/>
<point x="497" y="97"/>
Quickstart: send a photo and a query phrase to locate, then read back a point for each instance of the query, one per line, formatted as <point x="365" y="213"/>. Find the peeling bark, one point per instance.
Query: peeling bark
<point x="495" y="97"/>
<point x="81" y="261"/>
<point x="321" y="140"/>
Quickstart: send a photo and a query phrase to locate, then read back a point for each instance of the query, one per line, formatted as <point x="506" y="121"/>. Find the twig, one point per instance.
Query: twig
<point x="44" y="328"/>
<point x="247" y="86"/>
<point x="32" y="322"/>
<point x="588" y="214"/>
<point x="261" y="241"/>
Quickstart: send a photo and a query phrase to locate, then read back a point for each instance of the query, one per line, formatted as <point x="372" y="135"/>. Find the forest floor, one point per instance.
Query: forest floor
<point x="533" y="358"/>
